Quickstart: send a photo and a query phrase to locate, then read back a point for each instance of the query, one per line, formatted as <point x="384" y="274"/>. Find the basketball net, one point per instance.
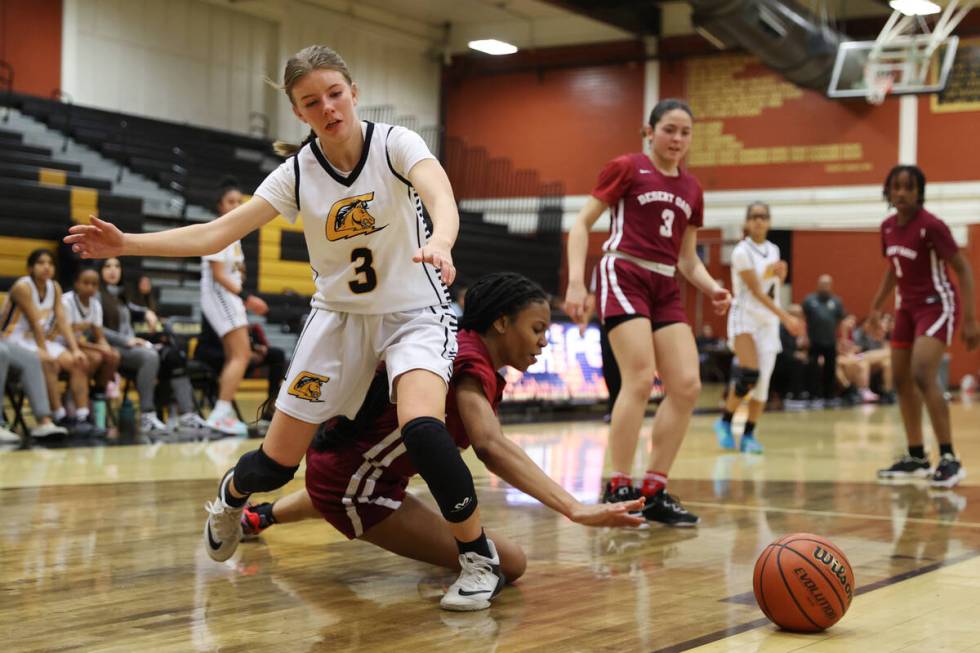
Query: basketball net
<point x="879" y="83"/>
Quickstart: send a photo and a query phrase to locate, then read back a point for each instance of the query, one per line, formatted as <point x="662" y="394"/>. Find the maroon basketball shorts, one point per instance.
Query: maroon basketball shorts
<point x="936" y="319"/>
<point x="354" y="490"/>
<point x="626" y="289"/>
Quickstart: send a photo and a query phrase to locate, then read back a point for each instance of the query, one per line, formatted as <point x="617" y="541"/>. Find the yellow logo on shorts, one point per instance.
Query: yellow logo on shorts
<point x="306" y="386"/>
<point x="349" y="217"/>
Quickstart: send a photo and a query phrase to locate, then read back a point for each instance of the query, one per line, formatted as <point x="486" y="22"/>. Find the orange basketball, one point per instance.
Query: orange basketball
<point x="803" y="583"/>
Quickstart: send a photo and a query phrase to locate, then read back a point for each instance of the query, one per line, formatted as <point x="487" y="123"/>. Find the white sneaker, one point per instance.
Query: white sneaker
<point x="7" y="436"/>
<point x="228" y="425"/>
<point x="46" y="430"/>
<point x="479" y="581"/>
<point x="192" y="421"/>
<point x="150" y="424"/>
<point x="223" y="528"/>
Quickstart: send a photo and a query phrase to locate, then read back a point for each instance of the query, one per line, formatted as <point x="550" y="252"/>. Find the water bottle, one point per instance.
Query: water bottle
<point x="127" y="419"/>
<point x="99" y="411"/>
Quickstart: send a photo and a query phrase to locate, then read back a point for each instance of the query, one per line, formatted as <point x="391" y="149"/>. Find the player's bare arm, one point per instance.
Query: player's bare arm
<point x="576" y="295"/>
<point x="20" y="293"/>
<point x="433" y="187"/>
<point x="964" y="272"/>
<point x="511" y="463"/>
<point x="690" y="265"/>
<point x="101" y="239"/>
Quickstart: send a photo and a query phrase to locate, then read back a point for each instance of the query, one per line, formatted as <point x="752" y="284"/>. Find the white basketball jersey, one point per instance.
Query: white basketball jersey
<point x="363" y="227"/>
<point x="77" y="313"/>
<point x="232" y="260"/>
<point x="17" y="326"/>
<point x="759" y="257"/>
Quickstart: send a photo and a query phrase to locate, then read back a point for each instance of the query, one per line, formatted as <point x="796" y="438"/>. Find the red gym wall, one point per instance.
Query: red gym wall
<point x="30" y="40"/>
<point x="754" y="129"/>
<point x="562" y="120"/>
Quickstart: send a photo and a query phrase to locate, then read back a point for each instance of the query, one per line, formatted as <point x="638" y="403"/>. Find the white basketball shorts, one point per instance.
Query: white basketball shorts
<point x="337" y="355"/>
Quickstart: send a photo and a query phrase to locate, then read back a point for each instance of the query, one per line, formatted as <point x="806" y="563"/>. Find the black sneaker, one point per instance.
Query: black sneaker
<point x="906" y="468"/>
<point x="887" y="398"/>
<point x="666" y="509"/>
<point x="622" y="493"/>
<point x="948" y="472"/>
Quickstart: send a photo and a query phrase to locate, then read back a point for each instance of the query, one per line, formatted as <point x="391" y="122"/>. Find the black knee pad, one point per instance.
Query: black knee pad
<point x="745" y="379"/>
<point x="256" y="472"/>
<point x="437" y="459"/>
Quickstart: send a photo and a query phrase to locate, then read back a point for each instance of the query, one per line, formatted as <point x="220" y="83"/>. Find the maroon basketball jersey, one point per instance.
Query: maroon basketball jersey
<point x="650" y="211"/>
<point x="919" y="251"/>
<point x="472" y="358"/>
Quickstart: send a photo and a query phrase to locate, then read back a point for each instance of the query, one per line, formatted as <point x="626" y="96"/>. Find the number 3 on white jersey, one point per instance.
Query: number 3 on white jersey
<point x="667" y="228"/>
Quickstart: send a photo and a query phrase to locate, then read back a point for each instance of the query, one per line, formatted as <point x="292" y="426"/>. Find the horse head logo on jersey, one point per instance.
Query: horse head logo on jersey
<point x="350" y="217"/>
<point x="306" y="386"/>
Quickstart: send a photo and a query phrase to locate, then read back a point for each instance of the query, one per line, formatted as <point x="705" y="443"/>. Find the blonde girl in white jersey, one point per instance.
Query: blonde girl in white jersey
<point x="380" y="295"/>
<point x="223" y="305"/>
<point x="32" y="316"/>
<point x="753" y="325"/>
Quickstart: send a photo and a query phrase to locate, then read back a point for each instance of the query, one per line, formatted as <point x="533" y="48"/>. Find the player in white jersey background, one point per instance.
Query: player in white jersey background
<point x="380" y="295"/>
<point x="223" y="305"/>
<point x="753" y="325"/>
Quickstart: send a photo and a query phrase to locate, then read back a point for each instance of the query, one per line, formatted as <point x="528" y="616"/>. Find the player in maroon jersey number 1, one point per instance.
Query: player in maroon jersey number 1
<point x="656" y="208"/>
<point x="918" y="246"/>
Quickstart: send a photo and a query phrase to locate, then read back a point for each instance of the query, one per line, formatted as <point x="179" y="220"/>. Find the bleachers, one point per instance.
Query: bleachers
<point x="191" y="160"/>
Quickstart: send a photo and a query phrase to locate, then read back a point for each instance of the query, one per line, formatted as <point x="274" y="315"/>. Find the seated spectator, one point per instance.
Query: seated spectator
<point x="34" y="315"/>
<point x="84" y="313"/>
<point x="854" y="366"/>
<point x="139" y="357"/>
<point x="28" y="364"/>
<point x="876" y="352"/>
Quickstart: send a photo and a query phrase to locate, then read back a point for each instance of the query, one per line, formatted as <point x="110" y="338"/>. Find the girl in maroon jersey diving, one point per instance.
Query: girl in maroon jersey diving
<point x="656" y="209"/>
<point x="357" y="471"/>
<point x="919" y="247"/>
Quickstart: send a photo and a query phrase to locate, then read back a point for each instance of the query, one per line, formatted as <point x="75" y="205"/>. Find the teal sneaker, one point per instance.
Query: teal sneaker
<point x="750" y="445"/>
<point x="723" y="431"/>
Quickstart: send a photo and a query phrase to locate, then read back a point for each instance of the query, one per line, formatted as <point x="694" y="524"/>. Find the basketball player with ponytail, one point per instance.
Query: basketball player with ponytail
<point x="505" y="322"/>
<point x="381" y="295"/>
<point x="656" y="209"/>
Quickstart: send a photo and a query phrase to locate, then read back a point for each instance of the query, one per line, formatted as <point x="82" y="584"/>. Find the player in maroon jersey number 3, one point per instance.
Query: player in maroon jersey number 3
<point x="656" y="208"/>
<point x="918" y="246"/>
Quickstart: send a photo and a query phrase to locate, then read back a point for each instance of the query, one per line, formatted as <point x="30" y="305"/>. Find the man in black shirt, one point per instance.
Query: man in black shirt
<point x="823" y="311"/>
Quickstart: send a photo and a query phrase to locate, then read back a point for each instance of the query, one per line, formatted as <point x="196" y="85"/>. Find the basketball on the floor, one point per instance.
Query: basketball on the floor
<point x="803" y="583"/>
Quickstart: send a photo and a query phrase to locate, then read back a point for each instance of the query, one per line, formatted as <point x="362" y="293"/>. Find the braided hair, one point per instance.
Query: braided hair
<point x="915" y="172"/>
<point x="496" y="295"/>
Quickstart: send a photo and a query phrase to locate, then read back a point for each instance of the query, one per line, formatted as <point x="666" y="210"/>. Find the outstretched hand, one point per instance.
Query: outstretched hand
<point x="613" y="515"/>
<point x="99" y="239"/>
<point x="438" y="254"/>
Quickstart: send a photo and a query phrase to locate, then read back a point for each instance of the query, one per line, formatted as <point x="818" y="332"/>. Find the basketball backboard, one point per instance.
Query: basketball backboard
<point x="910" y="55"/>
<point x="905" y="62"/>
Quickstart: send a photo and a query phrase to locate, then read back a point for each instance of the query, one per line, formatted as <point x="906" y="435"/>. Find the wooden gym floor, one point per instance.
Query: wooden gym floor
<point x="100" y="550"/>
